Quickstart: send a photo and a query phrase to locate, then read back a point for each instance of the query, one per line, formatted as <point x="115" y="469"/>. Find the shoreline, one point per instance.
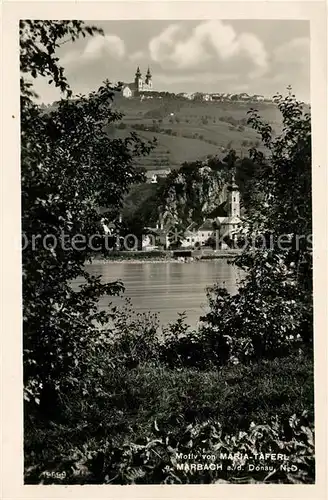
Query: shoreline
<point x="162" y="260"/>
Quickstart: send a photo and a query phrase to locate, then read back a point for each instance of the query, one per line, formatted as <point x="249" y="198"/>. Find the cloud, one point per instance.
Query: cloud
<point x="291" y="66"/>
<point x="96" y="48"/>
<point x="210" y="40"/>
<point x="99" y="46"/>
<point x="162" y="46"/>
<point x="294" y="51"/>
<point x="138" y="56"/>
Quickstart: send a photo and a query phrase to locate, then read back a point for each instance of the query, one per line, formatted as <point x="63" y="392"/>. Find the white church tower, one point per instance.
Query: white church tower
<point x="138" y="80"/>
<point x="230" y="225"/>
<point x="233" y="199"/>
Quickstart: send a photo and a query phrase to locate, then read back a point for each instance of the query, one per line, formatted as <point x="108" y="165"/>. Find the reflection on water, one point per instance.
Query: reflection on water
<point x="167" y="288"/>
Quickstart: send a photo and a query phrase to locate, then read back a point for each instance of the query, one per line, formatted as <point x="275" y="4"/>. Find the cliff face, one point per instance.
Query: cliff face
<point x="193" y="191"/>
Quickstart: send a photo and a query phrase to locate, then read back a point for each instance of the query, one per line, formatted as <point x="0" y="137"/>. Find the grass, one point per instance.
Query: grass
<point x="130" y="400"/>
<point x="207" y="120"/>
<point x="181" y="148"/>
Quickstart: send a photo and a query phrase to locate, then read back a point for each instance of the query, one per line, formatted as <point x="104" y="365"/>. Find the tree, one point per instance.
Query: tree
<point x="272" y="312"/>
<point x="70" y="168"/>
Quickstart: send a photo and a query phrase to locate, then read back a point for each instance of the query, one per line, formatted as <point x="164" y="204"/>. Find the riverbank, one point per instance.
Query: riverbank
<point x="163" y="257"/>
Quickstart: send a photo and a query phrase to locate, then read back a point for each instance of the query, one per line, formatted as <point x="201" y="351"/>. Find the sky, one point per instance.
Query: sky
<point x="253" y="56"/>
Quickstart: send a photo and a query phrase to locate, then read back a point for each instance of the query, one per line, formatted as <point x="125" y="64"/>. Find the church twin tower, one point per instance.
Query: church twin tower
<point x="143" y="85"/>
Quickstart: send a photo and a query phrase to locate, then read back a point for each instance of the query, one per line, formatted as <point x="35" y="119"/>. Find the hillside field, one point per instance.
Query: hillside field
<point x="187" y="130"/>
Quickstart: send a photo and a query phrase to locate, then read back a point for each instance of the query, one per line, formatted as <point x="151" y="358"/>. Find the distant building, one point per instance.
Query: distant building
<point x="139" y="85"/>
<point x="126" y="91"/>
<point x="188" y="95"/>
<point x="197" y="235"/>
<point x="257" y="97"/>
<point x="216" y="97"/>
<point x="154" y="176"/>
<point x="244" y="96"/>
<point x="155" y="237"/>
<point x="207" y="97"/>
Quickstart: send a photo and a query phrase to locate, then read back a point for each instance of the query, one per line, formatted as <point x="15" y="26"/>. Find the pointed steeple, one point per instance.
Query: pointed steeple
<point x="138" y="72"/>
<point x="233" y="184"/>
<point x="148" y="79"/>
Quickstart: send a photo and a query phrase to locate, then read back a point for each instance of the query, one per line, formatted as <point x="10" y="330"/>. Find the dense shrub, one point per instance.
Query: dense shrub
<point x="252" y="325"/>
<point x="156" y="457"/>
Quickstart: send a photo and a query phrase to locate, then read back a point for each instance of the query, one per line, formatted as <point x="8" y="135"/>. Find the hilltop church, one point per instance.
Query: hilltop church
<point x="139" y="85"/>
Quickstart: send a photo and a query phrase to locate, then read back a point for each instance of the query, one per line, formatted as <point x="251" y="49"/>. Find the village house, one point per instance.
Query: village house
<point x="154" y="176"/>
<point x="197" y="235"/>
<point x="207" y="97"/>
<point x="244" y="96"/>
<point x="155" y="237"/>
<point x="216" y="97"/>
<point x="257" y="97"/>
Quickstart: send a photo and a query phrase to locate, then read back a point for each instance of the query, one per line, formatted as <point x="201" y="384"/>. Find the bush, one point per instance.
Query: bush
<point x="111" y="435"/>
<point x="263" y="320"/>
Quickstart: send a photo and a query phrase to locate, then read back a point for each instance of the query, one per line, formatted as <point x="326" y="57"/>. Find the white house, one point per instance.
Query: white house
<point x="149" y="242"/>
<point x="257" y="97"/>
<point x="127" y="92"/>
<point x="188" y="95"/>
<point x="155" y="237"/>
<point x="154" y="176"/>
<point x="198" y="235"/>
<point x="207" y="97"/>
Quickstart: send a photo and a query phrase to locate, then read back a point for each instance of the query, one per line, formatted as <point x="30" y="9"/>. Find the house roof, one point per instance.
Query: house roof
<point x="157" y="230"/>
<point x="219" y="211"/>
<point x="193" y="226"/>
<point x="206" y="226"/>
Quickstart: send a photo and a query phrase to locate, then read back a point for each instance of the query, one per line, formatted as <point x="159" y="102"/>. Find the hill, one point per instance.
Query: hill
<point x="187" y="130"/>
<point x="171" y="151"/>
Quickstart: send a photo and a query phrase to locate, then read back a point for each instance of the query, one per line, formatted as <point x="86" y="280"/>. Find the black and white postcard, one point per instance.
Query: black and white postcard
<point x="165" y="241"/>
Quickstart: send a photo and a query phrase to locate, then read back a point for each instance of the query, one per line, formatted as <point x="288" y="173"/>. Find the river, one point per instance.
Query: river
<point x="167" y="288"/>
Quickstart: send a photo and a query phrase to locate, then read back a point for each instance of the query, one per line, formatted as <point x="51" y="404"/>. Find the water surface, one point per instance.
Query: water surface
<point x="167" y="288"/>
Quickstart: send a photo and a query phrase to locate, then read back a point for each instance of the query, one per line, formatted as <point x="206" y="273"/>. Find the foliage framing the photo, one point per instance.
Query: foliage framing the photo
<point x="90" y="430"/>
<point x="69" y="168"/>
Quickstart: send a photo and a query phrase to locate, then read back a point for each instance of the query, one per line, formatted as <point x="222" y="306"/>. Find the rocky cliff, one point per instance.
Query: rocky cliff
<point x="194" y="191"/>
